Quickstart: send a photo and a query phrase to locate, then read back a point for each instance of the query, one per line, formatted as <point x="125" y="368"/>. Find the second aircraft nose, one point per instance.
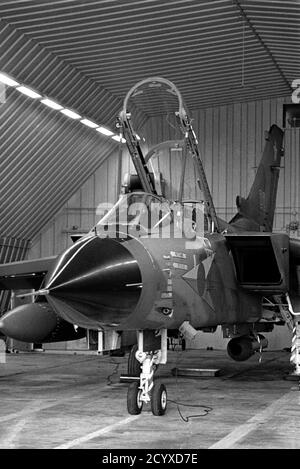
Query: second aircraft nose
<point x="98" y="280"/>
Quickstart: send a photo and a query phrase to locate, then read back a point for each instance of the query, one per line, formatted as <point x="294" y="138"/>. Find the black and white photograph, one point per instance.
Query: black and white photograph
<point x="149" y="228"/>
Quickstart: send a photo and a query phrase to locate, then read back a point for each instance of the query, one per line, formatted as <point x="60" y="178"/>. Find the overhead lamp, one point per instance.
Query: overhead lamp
<point x="71" y="114"/>
<point x="7" y="80"/>
<point x="28" y="91"/>
<point x="117" y="138"/>
<point x="104" y="131"/>
<point x="89" y="123"/>
<point x="52" y="104"/>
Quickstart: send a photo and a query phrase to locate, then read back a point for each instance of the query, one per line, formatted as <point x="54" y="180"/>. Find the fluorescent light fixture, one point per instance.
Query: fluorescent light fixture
<point x="71" y="114"/>
<point x="117" y="138"/>
<point x="104" y="131"/>
<point x="7" y="80"/>
<point x="29" y="92"/>
<point x="89" y="123"/>
<point x="52" y="104"/>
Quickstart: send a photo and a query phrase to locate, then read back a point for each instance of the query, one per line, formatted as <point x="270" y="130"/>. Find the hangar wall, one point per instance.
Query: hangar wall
<point x="231" y="140"/>
<point x="11" y="249"/>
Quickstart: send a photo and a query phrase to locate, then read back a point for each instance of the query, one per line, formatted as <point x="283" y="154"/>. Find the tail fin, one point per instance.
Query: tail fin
<point x="256" y="212"/>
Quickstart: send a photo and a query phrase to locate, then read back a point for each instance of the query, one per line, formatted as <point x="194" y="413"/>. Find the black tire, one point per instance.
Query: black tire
<point x="134" y="366"/>
<point x="159" y="398"/>
<point x="134" y="404"/>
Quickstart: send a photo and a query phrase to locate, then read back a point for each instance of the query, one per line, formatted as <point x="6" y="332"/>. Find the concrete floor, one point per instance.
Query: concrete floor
<point x="77" y="401"/>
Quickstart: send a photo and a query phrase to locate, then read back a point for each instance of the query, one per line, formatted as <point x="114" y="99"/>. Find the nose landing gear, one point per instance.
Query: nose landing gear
<point x="146" y="389"/>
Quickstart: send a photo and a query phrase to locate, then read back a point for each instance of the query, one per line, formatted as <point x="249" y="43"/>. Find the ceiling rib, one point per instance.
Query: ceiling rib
<point x="237" y="3"/>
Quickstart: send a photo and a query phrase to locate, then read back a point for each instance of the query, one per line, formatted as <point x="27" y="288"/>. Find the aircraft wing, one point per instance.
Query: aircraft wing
<point x="24" y="274"/>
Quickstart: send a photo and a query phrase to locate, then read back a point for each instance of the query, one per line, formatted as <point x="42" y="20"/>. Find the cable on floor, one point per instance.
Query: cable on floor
<point x="206" y="409"/>
<point x="114" y="372"/>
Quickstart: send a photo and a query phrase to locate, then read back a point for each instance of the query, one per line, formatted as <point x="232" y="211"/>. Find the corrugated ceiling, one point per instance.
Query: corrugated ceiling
<point x="88" y="54"/>
<point x="44" y="158"/>
<point x="215" y="51"/>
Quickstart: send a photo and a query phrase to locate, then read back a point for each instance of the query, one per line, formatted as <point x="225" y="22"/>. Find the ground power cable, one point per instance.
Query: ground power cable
<point x="206" y="409"/>
<point x="114" y="372"/>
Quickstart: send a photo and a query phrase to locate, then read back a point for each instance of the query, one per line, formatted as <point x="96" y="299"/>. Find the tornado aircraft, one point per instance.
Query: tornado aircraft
<point x="167" y="267"/>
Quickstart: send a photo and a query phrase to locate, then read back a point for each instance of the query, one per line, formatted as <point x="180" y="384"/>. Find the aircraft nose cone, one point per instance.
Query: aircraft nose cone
<point x="98" y="280"/>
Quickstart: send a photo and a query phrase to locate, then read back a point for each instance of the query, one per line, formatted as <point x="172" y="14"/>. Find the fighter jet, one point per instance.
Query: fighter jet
<point x="168" y="268"/>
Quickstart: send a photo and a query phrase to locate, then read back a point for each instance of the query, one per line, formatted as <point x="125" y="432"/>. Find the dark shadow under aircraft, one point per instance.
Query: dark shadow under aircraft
<point x="167" y="268"/>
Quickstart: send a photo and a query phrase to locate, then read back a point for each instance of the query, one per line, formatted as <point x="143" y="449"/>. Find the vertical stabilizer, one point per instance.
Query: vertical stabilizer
<point x="256" y="212"/>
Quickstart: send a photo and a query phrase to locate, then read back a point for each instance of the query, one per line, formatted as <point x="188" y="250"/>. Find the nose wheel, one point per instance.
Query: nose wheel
<point x="134" y="402"/>
<point x="159" y="399"/>
<point x="146" y="389"/>
<point x="134" y="366"/>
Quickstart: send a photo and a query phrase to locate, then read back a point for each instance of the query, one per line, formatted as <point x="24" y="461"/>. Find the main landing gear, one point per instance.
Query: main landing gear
<point x="145" y="389"/>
